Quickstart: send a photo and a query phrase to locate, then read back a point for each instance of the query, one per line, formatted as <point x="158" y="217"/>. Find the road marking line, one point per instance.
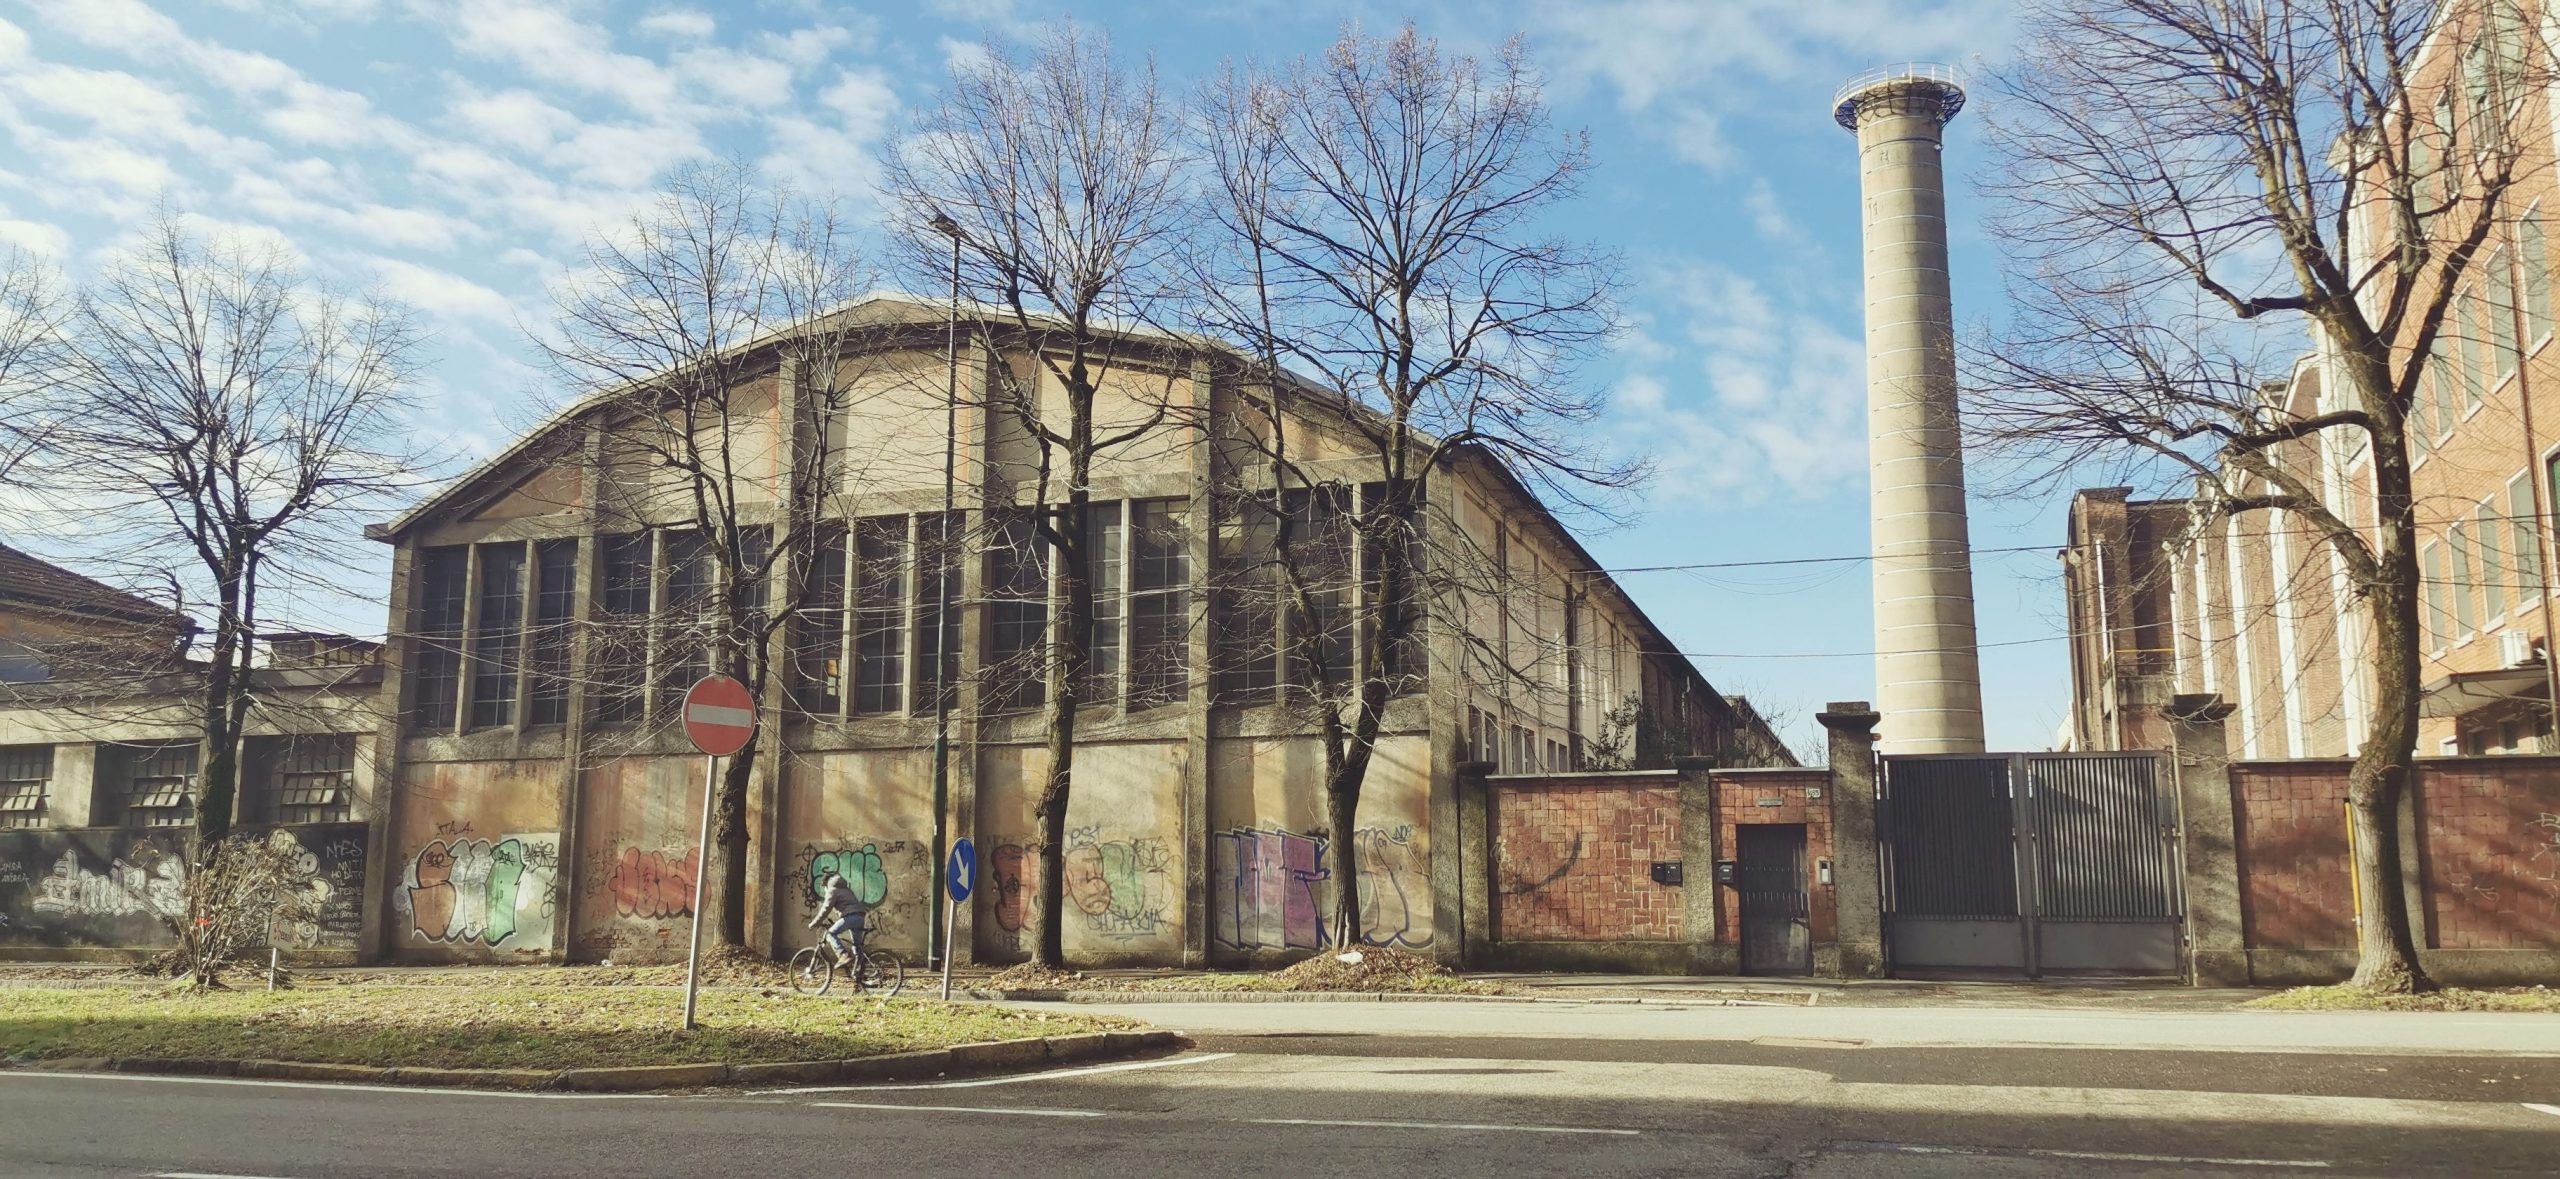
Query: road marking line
<point x="2538" y="1107"/>
<point x="982" y="1109"/>
<point x="1439" y="1126"/>
<point x="1053" y="1075"/>
<point x="206" y="1175"/>
<point x="408" y="1090"/>
<point x="2094" y="1155"/>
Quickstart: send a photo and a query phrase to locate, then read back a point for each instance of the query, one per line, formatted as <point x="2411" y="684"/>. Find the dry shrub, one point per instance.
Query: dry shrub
<point x="1378" y="969"/>
<point x="1031" y="976"/>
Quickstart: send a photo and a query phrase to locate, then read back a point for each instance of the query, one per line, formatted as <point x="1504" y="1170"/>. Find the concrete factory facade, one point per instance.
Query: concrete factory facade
<point x="524" y="794"/>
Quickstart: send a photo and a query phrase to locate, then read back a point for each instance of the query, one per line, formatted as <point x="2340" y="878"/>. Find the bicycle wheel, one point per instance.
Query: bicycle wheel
<point x="813" y="971"/>
<point x="882" y="974"/>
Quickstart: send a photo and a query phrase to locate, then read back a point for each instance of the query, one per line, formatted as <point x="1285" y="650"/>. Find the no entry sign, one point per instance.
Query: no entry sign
<point x="719" y="716"/>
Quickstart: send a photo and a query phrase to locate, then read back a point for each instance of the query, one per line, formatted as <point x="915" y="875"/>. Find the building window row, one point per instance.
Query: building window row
<point x="492" y="626"/>
<point x="26" y="774"/>
<point x="1259" y="646"/>
<point x="2489" y="558"/>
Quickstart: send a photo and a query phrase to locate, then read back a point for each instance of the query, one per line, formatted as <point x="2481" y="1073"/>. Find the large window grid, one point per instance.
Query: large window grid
<point x="497" y="635"/>
<point x="159" y="784"/>
<point x="555" y="607"/>
<point x="492" y="630"/>
<point x="869" y="616"/>
<point x="1017" y="616"/>
<point x="1257" y="648"/>
<point x="301" y="779"/>
<point x="443" y="594"/>
<point x="26" y="776"/>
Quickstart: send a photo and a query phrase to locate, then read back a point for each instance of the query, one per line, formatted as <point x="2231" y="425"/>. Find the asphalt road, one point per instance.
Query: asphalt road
<point x="1297" y="1099"/>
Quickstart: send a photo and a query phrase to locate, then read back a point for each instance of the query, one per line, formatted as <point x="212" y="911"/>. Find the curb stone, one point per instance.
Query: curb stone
<point x="1058" y="996"/>
<point x="476" y="1078"/>
<point x="636" y="1078"/>
<point x="986" y="1056"/>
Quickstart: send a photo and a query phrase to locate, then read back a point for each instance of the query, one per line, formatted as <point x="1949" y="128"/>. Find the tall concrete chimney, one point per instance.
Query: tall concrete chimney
<point x="1928" y="668"/>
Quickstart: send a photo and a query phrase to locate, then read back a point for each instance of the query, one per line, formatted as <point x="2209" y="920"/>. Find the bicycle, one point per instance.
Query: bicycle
<point x="874" y="972"/>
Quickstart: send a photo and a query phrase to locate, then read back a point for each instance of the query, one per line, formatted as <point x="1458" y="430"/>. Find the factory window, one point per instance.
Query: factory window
<point x="435" y="684"/>
<point x="26" y="773"/>
<point x="159" y="783"/>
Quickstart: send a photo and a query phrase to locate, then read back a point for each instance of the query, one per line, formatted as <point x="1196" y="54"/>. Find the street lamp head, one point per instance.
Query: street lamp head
<point x="944" y="225"/>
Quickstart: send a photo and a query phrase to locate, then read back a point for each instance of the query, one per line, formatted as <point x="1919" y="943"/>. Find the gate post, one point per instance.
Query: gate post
<point x="2208" y="841"/>
<point x="1474" y="838"/>
<point x="1712" y="950"/>
<point x="1857" y="888"/>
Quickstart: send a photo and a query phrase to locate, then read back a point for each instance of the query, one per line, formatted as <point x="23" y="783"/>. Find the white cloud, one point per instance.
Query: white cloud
<point x="1736" y="395"/>
<point x="518" y="119"/>
<point x="550" y="45"/>
<point x="442" y="293"/>
<point x="691" y="24"/>
<point x="836" y="155"/>
<point x="42" y="238"/>
<point x="742" y="78"/>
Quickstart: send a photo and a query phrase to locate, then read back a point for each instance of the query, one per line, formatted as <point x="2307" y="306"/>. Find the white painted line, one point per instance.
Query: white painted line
<point x="2538" y="1107"/>
<point x="980" y="1109"/>
<point x="2093" y="1155"/>
<point x="713" y="714"/>
<point x="205" y="1175"/>
<point x="1439" y="1126"/>
<point x="405" y="1090"/>
<point x="1018" y="1079"/>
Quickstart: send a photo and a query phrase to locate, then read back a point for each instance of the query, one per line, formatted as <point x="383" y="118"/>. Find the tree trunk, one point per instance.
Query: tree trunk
<point x="1342" y="855"/>
<point x="218" y="749"/>
<point x="1071" y="600"/>
<point x="2386" y="951"/>
<point x="729" y="836"/>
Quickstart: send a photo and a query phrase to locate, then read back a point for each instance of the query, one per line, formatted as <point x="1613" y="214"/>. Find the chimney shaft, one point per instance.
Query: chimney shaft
<point x="1928" y="674"/>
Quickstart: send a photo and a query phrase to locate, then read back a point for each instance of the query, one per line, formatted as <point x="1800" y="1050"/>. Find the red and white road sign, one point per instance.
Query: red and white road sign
<point x="719" y="716"/>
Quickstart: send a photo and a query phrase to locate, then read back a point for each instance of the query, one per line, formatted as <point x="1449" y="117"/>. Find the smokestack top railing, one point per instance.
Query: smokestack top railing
<point x="1844" y="101"/>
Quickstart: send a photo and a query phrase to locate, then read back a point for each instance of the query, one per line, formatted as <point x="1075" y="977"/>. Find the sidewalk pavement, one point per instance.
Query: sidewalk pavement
<point x="2396" y="1033"/>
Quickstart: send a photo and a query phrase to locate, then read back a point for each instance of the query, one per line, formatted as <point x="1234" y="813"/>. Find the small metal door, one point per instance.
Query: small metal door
<point x="1775" y="898"/>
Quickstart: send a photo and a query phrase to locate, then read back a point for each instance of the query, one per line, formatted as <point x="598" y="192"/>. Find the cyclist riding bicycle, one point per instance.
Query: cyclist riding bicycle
<point x="836" y="896"/>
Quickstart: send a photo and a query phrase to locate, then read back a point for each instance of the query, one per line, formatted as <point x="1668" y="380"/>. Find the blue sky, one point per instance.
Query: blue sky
<point x="454" y="152"/>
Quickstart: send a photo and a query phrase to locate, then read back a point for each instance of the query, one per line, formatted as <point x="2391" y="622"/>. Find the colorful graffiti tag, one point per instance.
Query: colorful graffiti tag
<point x="1122" y="886"/>
<point x="654" y="884"/>
<point x="489" y="892"/>
<point x="893" y="876"/>
<point x="1272" y="889"/>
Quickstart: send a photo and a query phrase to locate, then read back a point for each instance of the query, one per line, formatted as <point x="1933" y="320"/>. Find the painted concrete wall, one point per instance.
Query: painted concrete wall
<point x="1271" y="886"/>
<point x="476" y="872"/>
<point x="639" y="832"/>
<point x="868" y="815"/>
<point x="1125" y="866"/>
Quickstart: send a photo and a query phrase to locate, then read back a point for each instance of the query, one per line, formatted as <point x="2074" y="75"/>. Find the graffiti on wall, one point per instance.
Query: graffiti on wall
<point x="1122" y="886"/>
<point x="653" y="885"/>
<point x="121" y="887"/>
<point x="1272" y="889"/>
<point x="1013" y="873"/>
<point x="497" y="892"/>
<point x="893" y="876"/>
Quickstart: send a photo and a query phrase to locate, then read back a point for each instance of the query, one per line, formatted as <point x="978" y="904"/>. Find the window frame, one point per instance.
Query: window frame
<point x="26" y="786"/>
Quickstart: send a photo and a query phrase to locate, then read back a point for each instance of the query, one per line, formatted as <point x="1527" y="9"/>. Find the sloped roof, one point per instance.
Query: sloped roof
<point x="32" y="583"/>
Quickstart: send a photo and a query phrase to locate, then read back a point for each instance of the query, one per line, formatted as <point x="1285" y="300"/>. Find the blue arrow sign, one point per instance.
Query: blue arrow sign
<point x="962" y="870"/>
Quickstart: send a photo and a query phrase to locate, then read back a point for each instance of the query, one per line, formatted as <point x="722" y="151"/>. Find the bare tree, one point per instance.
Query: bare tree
<point x="32" y="308"/>
<point x="710" y="330"/>
<point x="1381" y="211"/>
<point x="2183" y="187"/>
<point x="223" y="422"/>
<point x="1056" y="173"/>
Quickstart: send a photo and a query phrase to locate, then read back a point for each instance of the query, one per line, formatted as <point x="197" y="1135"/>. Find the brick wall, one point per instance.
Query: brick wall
<point x="2292" y="820"/>
<point x="1775" y="798"/>
<point x="2488" y="853"/>
<point x="2489" y="844"/>
<point x="1573" y="858"/>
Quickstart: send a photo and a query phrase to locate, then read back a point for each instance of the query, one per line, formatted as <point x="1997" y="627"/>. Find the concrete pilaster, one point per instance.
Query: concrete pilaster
<point x="2209" y="839"/>
<point x="71" y="796"/>
<point x="1470" y="850"/>
<point x="378" y="934"/>
<point x="1699" y="912"/>
<point x="1857" y="884"/>
<point x="1927" y="667"/>
<point x="573" y="748"/>
<point x="1201" y="652"/>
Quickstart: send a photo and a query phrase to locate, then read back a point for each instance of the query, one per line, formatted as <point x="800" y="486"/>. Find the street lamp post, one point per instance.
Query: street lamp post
<point x="943" y="568"/>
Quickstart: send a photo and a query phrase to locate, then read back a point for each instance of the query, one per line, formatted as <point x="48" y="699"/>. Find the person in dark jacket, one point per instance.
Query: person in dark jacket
<point x="836" y="896"/>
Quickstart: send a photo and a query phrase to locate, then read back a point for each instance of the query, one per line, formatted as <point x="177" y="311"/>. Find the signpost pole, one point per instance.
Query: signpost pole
<point x="701" y="859"/>
<point x="950" y="924"/>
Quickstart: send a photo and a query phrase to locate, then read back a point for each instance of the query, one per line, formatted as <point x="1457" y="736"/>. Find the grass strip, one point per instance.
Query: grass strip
<point x="2347" y="998"/>
<point x="497" y="1027"/>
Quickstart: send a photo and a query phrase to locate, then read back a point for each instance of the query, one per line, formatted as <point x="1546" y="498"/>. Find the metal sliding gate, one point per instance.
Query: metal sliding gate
<point x="2029" y="863"/>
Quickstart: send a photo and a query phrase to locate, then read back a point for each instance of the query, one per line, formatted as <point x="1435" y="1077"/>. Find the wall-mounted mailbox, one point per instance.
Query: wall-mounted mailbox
<point x="1725" y="871"/>
<point x="1666" y="872"/>
<point x="1822" y="870"/>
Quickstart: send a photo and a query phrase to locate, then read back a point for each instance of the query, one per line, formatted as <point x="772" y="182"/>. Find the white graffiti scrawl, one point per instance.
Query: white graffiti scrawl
<point x="123" y="890"/>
